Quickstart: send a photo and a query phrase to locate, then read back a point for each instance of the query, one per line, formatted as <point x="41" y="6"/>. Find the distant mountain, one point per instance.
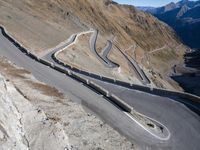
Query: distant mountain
<point x="148" y="8"/>
<point x="159" y="10"/>
<point x="183" y="17"/>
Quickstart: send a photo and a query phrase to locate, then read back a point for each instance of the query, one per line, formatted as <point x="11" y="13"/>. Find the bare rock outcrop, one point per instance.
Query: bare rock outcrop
<point x="23" y="126"/>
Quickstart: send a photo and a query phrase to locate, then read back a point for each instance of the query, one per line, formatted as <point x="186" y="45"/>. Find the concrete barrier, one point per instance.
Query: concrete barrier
<point x="99" y="89"/>
<point x="120" y="103"/>
<point x="60" y="69"/>
<point x="62" y="63"/>
<point x="54" y="58"/>
<point x="158" y="92"/>
<point x="96" y="76"/>
<point x="33" y="56"/>
<point x="45" y="62"/>
<point x="24" y="50"/>
<point x="79" y="78"/>
<point x="74" y="69"/>
<point x="66" y="65"/>
<point x="186" y="96"/>
<point x="125" y="84"/>
<point x="108" y="79"/>
<point x="10" y="38"/>
<point x="52" y="65"/>
<point x="133" y="86"/>
<point x="69" y="72"/>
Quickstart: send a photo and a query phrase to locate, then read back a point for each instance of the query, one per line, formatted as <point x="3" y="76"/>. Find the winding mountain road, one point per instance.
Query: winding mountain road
<point x="140" y="73"/>
<point x="70" y="40"/>
<point x="106" y="51"/>
<point x="183" y="124"/>
<point x="104" y="59"/>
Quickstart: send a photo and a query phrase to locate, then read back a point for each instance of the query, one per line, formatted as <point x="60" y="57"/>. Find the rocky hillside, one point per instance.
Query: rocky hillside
<point x="124" y="22"/>
<point x="37" y="22"/>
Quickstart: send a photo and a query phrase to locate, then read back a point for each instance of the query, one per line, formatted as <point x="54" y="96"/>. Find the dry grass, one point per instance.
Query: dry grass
<point x="14" y="73"/>
<point x="8" y="68"/>
<point x="45" y="89"/>
<point x="35" y="25"/>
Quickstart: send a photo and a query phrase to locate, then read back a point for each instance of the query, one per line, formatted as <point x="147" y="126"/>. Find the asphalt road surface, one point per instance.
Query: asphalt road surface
<point x="104" y="58"/>
<point x="140" y="73"/>
<point x="69" y="41"/>
<point x="106" y="51"/>
<point x="183" y="124"/>
<point x="106" y="62"/>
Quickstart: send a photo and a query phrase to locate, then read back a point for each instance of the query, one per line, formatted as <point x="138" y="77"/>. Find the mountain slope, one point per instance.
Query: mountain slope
<point x="184" y="18"/>
<point x="43" y="25"/>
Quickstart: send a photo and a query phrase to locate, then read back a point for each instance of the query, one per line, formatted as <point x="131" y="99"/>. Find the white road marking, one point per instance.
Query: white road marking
<point x="160" y="138"/>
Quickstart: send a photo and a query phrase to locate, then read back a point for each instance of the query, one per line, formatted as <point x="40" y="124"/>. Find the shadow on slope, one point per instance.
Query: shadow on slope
<point x="189" y="75"/>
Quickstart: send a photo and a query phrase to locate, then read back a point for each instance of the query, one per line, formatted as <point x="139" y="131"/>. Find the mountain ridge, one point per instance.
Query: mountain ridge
<point x="183" y="17"/>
